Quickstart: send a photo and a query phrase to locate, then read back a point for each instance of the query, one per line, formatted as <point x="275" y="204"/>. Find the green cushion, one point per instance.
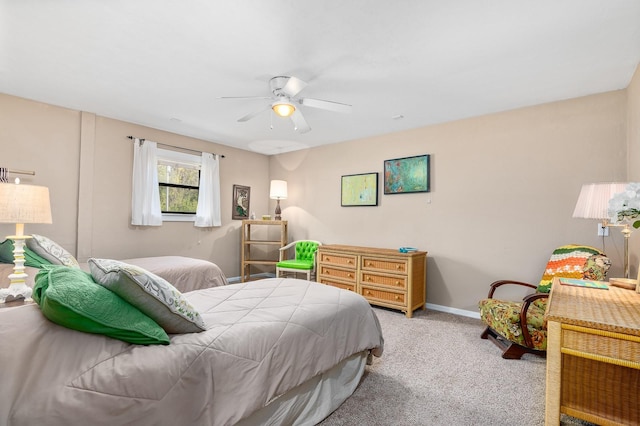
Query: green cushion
<point x="305" y="250"/>
<point x="296" y="264"/>
<point x="31" y="258"/>
<point x="70" y="297"/>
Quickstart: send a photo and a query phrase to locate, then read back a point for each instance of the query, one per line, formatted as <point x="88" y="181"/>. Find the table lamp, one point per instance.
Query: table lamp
<point x="278" y="192"/>
<point x="593" y="203"/>
<point x="21" y="204"/>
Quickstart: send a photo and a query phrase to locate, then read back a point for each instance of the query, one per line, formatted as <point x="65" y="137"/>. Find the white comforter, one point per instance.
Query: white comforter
<point x="263" y="338"/>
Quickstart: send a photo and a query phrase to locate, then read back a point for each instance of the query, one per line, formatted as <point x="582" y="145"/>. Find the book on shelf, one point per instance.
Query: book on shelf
<point x="576" y="282"/>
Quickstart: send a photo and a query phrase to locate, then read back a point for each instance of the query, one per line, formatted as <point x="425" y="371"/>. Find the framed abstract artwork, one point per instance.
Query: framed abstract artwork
<point x="406" y="175"/>
<point x="359" y="190"/>
<point x="240" y="202"/>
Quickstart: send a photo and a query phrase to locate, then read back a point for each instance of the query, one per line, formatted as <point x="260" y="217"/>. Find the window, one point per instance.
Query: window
<point x="179" y="183"/>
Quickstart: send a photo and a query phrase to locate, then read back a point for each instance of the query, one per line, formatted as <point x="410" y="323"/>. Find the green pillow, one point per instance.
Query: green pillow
<point x="70" y="297"/>
<point x="31" y="258"/>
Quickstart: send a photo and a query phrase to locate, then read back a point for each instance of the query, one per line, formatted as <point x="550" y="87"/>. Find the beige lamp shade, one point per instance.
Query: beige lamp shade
<point x="22" y="204"/>
<point x="593" y="201"/>
<point x="278" y="190"/>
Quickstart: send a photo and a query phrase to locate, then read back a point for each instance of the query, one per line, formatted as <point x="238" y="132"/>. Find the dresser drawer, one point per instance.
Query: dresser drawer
<point x="344" y="274"/>
<point x="391" y="265"/>
<point x="338" y="259"/>
<point x="384" y="296"/>
<point x="344" y="286"/>
<point x="398" y="282"/>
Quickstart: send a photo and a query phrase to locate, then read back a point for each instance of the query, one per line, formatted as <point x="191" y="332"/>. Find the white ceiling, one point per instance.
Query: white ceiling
<point x="163" y="64"/>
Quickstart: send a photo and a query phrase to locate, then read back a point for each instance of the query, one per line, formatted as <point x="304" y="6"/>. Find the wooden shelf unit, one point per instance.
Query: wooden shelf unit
<point x="250" y="239"/>
<point x="385" y="277"/>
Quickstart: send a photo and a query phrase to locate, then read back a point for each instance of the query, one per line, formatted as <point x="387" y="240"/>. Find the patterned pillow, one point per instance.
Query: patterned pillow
<point x="51" y="251"/>
<point x="152" y="295"/>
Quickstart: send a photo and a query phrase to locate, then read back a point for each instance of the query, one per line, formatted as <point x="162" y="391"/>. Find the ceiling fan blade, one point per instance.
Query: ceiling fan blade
<point x="299" y="123"/>
<point x="251" y="115"/>
<point x="293" y="87"/>
<point x="328" y="105"/>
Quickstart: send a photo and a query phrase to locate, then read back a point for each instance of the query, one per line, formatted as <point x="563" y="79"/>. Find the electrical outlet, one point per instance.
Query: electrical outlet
<point x="603" y="231"/>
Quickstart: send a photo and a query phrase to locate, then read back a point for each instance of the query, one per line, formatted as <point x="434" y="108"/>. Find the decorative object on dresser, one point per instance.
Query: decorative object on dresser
<point x="385" y="277"/>
<point x="278" y="191"/>
<point x="593" y="355"/>
<point x="406" y="175"/>
<point x="241" y="202"/>
<point x="304" y="260"/>
<point x="517" y="327"/>
<point x="359" y="190"/>
<point x="21" y="204"/>
<point x="255" y="233"/>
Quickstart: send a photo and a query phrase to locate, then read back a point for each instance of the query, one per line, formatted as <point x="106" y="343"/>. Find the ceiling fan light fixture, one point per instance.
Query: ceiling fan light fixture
<point x="283" y="109"/>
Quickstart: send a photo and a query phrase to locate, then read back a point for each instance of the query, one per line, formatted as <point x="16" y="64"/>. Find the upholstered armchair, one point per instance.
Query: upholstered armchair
<point x="304" y="261"/>
<point x="518" y="327"/>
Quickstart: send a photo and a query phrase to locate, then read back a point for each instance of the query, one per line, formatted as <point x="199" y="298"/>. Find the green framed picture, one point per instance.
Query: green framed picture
<point x="359" y="190"/>
<point x="406" y="175"/>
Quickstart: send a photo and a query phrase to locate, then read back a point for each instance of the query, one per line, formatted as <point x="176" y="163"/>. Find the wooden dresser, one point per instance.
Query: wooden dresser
<point x="385" y="277"/>
<point x="593" y="355"/>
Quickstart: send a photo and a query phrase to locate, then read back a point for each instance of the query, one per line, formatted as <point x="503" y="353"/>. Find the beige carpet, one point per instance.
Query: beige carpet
<point x="436" y="370"/>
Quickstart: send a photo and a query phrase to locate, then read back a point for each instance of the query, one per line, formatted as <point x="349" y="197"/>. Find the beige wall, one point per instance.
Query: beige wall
<point x="50" y="141"/>
<point x="633" y="140"/>
<point x="503" y="188"/>
<point x="503" y="191"/>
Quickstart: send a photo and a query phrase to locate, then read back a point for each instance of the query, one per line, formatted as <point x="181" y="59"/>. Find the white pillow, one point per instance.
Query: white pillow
<point x="152" y="295"/>
<point x="51" y="251"/>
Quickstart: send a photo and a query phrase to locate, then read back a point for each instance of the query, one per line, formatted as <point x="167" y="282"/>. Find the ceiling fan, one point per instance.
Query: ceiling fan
<point x="284" y="101"/>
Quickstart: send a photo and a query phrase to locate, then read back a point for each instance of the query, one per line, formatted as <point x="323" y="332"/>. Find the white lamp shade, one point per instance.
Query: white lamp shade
<point x="593" y="201"/>
<point x="278" y="190"/>
<point x="24" y="204"/>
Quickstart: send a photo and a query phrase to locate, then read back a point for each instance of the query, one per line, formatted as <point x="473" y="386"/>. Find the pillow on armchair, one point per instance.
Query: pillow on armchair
<point x="504" y="319"/>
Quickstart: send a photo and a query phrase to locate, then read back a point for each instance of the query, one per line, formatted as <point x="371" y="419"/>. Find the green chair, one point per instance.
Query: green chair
<point x="304" y="261"/>
<point x="518" y="327"/>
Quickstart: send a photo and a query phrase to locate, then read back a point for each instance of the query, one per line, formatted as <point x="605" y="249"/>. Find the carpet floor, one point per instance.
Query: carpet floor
<point x="436" y="370"/>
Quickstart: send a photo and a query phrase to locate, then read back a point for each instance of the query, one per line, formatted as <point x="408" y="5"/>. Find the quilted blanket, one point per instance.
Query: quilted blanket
<point x="263" y="339"/>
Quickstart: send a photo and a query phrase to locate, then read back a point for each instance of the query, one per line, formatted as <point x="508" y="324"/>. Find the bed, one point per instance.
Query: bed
<point x="185" y="273"/>
<point x="275" y="351"/>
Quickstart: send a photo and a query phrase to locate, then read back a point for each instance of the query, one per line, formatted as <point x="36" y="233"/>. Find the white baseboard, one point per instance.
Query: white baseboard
<point x="456" y="311"/>
<point x="236" y="280"/>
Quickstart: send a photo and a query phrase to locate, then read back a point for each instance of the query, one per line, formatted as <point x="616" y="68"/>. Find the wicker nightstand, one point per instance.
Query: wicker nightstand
<point x="593" y="355"/>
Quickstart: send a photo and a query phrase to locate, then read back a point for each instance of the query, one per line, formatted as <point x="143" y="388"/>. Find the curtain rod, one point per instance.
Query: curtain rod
<point x="22" y="172"/>
<point x="174" y="146"/>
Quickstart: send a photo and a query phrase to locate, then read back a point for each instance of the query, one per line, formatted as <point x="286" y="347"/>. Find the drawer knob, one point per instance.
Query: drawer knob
<point x="368" y="278"/>
<point x="397" y="297"/>
<point x="349" y="276"/>
<point x="369" y="264"/>
<point x="398" y="267"/>
<point x="397" y="282"/>
<point x="349" y="262"/>
<point x="368" y="292"/>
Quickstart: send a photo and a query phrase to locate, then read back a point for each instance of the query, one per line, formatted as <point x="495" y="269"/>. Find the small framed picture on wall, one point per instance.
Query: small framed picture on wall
<point x="406" y="175"/>
<point x="240" y="203"/>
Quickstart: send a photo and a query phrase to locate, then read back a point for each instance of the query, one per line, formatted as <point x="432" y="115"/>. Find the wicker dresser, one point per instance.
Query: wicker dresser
<point x="593" y="355"/>
<point x="385" y="277"/>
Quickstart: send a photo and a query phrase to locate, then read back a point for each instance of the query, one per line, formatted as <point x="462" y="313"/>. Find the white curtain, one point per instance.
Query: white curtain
<point x="208" y="210"/>
<point x="145" y="200"/>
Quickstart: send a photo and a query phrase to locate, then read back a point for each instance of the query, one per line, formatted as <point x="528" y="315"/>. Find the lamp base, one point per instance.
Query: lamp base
<point x="18" y="289"/>
<point x="15" y="292"/>
<point x="278" y="211"/>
